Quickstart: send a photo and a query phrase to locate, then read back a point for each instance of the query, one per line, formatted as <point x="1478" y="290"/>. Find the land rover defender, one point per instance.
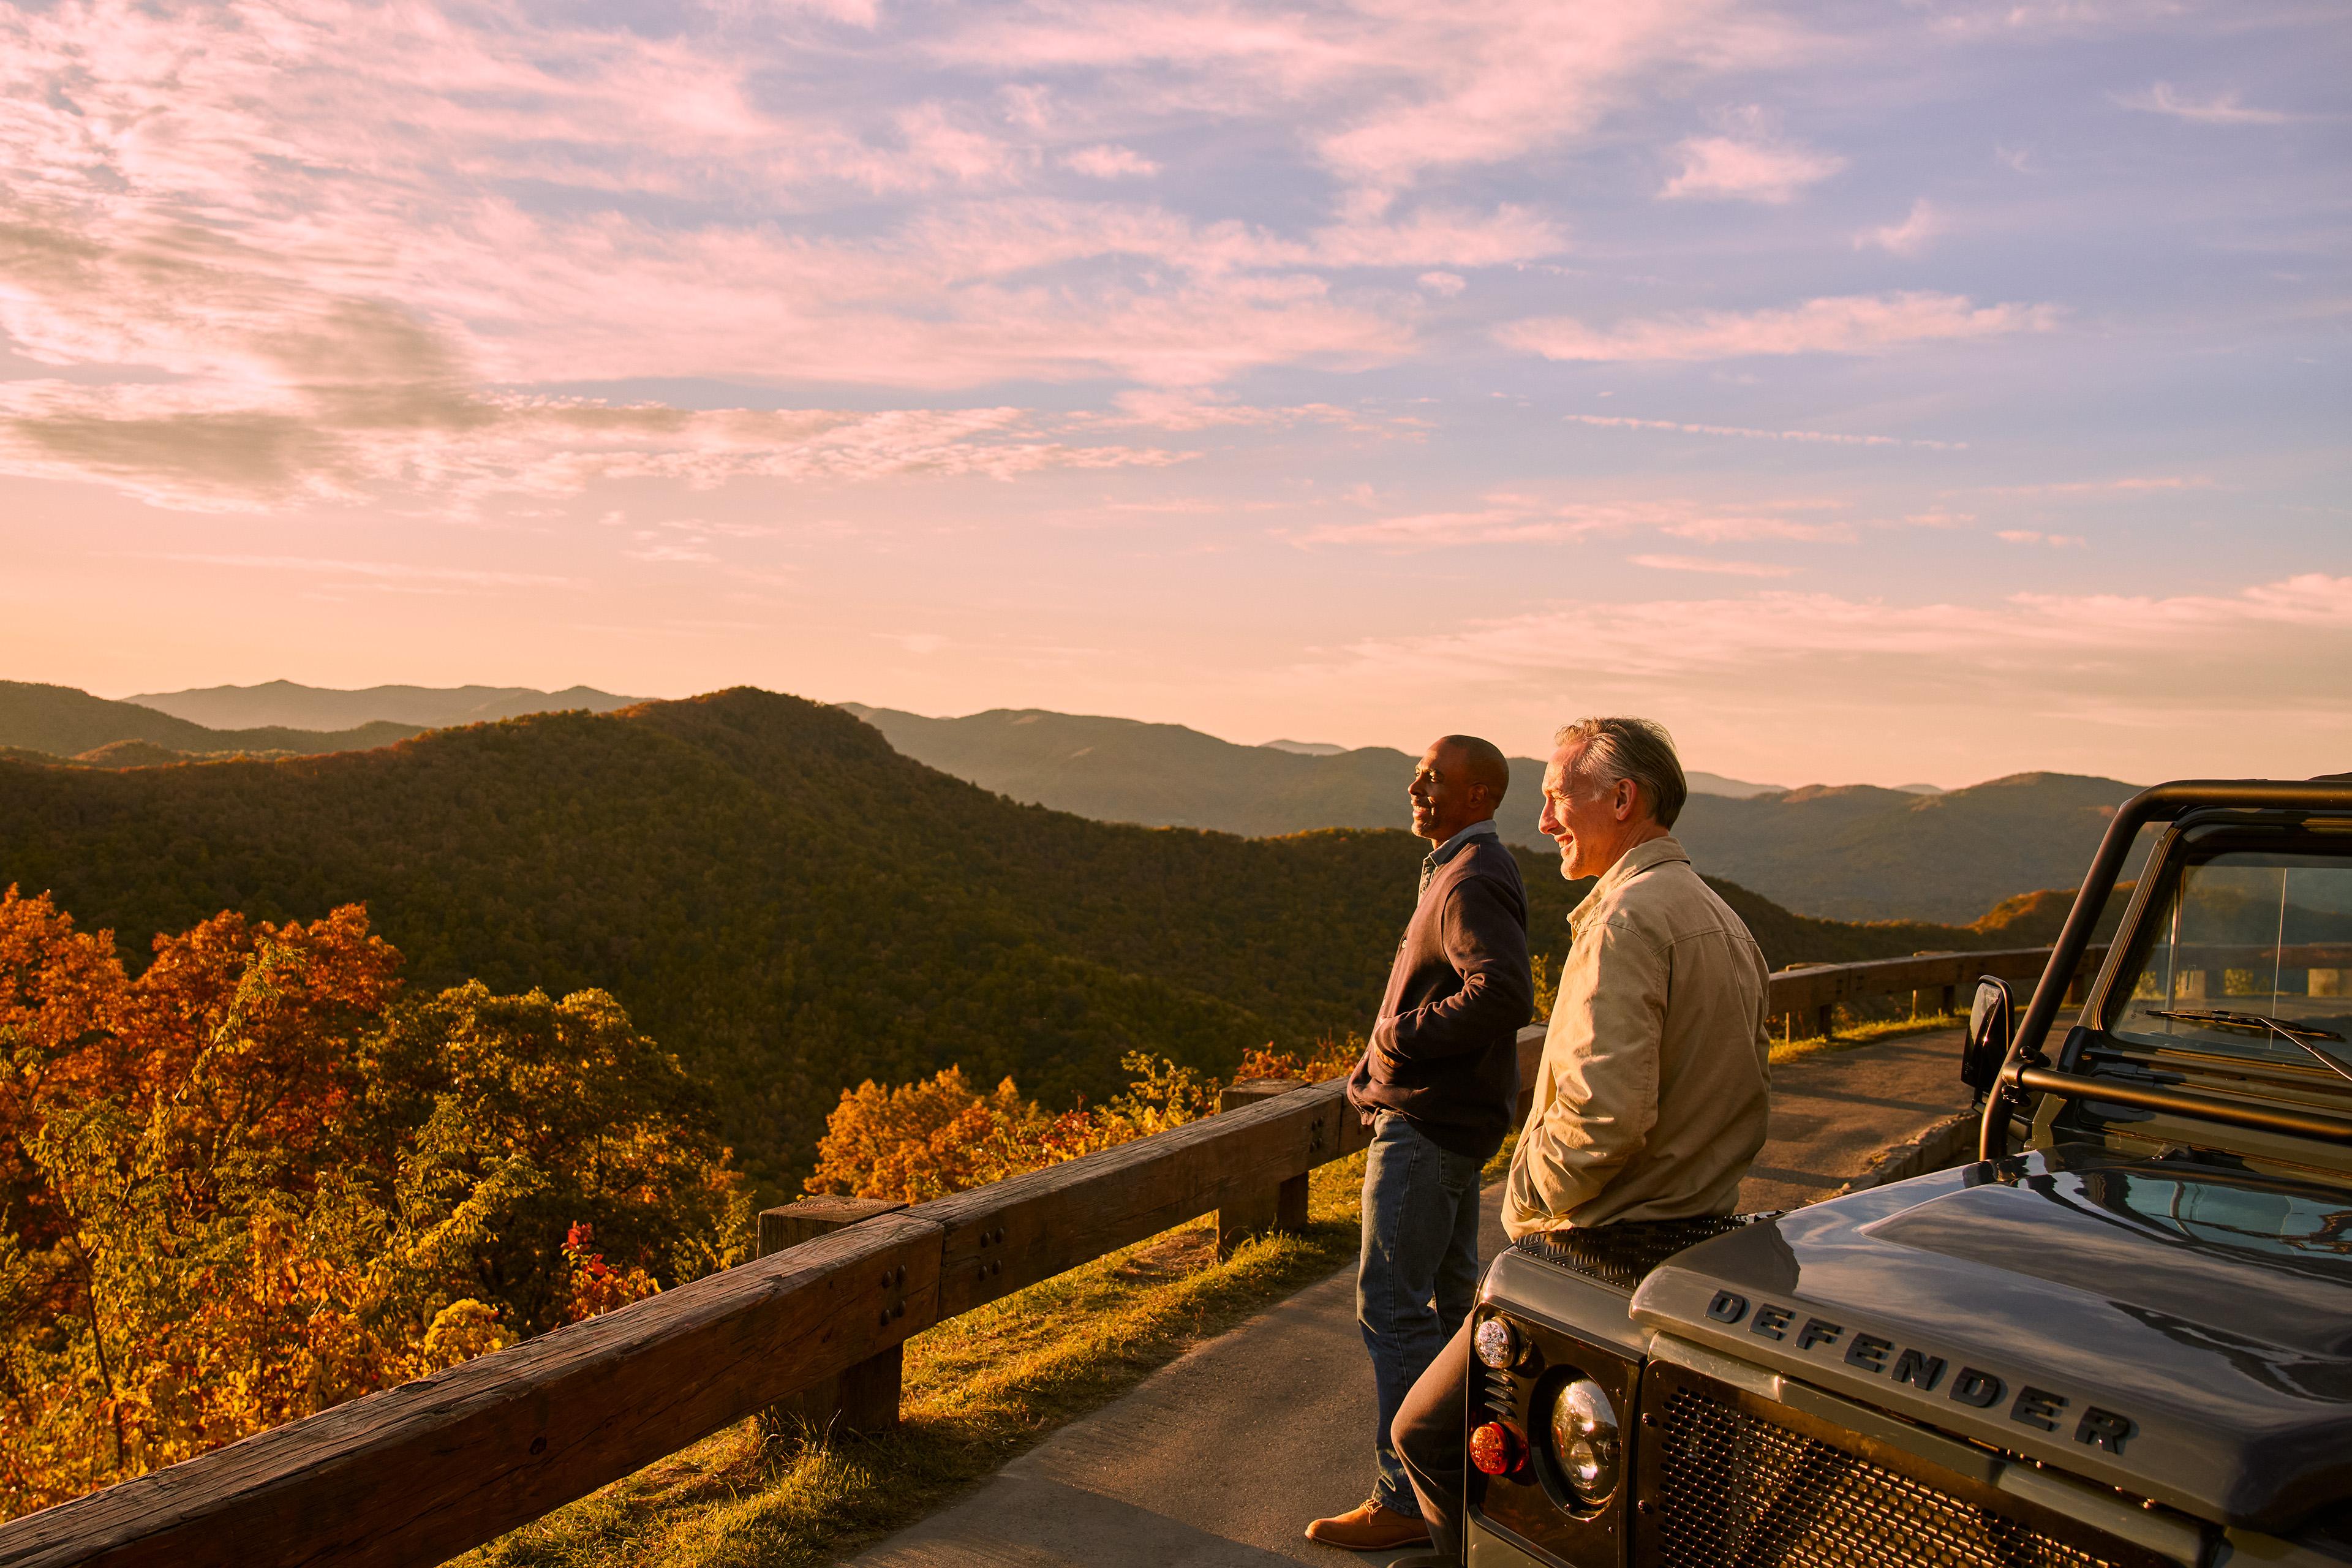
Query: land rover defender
<point x="2121" y="1335"/>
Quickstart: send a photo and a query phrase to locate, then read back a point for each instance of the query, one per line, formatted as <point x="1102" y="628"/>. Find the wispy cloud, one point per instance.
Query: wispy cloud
<point x="1661" y="638"/>
<point x="1830" y="437"/>
<point x="2034" y="536"/>
<point x="1717" y="528"/>
<point x="1179" y="412"/>
<point x="1526" y="519"/>
<point x="258" y="391"/>
<point x="1910" y="237"/>
<point x="385" y="572"/>
<point x="1721" y="166"/>
<point x="682" y="554"/>
<point x="2128" y="484"/>
<point x="2222" y="108"/>
<point x="1710" y="565"/>
<point x="1384" y="94"/>
<point x="1847" y="324"/>
<point x="1109" y="162"/>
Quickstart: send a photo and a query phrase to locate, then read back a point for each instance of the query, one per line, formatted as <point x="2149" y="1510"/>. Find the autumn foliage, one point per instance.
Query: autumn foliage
<point x="257" y="1180"/>
<point x="940" y="1135"/>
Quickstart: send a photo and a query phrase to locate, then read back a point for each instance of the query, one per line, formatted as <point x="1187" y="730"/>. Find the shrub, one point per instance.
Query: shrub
<point x="940" y="1135"/>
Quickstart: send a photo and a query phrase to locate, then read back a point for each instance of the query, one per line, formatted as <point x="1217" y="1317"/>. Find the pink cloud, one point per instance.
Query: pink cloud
<point x="223" y="176"/>
<point x="1661" y="638"/>
<point x="2130" y="484"/>
<point x="1830" y="437"/>
<point x="1510" y="521"/>
<point x="1722" y="167"/>
<point x="1386" y="92"/>
<point x="1710" y="565"/>
<point x="1909" y="237"/>
<point x="1527" y="520"/>
<point x="1715" y="529"/>
<point x="2222" y="108"/>
<point x="1105" y="162"/>
<point x="395" y="573"/>
<point x="1181" y="411"/>
<point x="1849" y="324"/>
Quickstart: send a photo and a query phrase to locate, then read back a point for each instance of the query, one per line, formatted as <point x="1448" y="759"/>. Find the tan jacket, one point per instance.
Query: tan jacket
<point x="1653" y="1090"/>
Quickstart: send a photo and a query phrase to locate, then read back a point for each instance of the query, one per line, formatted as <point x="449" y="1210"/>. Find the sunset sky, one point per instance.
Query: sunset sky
<point x="1872" y="392"/>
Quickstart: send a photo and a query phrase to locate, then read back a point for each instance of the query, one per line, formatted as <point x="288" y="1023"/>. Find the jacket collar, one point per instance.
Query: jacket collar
<point x="1632" y="864"/>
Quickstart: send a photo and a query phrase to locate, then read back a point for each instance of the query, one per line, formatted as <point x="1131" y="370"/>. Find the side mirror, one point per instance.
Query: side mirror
<point x="1990" y="1024"/>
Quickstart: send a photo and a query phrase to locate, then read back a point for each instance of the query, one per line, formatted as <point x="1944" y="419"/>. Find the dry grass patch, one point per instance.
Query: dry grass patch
<point x="1865" y="1033"/>
<point x="979" y="1389"/>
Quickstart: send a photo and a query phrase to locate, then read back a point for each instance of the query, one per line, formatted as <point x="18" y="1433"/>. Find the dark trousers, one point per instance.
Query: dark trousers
<point x="1431" y="1438"/>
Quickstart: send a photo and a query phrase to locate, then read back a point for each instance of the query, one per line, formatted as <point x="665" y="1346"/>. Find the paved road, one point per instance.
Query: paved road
<point x="1831" y="1111"/>
<point x="1220" y="1459"/>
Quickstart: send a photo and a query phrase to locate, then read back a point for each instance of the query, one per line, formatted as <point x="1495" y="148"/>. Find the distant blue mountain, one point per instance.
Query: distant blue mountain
<point x="286" y="704"/>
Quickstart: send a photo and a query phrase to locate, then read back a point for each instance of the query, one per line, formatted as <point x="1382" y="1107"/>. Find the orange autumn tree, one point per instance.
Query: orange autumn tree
<point x="940" y="1136"/>
<point x="256" y="1180"/>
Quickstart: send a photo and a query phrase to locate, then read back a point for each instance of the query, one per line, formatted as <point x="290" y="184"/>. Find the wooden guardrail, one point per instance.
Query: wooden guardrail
<point x="414" y="1474"/>
<point x="1813" y="991"/>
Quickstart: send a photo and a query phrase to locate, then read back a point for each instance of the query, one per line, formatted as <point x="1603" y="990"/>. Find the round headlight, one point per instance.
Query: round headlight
<point x="1496" y="1345"/>
<point x="1585" y="1443"/>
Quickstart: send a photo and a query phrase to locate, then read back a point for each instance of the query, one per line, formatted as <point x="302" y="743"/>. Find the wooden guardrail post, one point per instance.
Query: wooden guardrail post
<point x="860" y="1400"/>
<point x="1282" y="1206"/>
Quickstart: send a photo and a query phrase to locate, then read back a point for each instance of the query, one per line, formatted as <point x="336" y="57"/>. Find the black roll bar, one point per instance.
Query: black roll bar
<point x="2160" y="803"/>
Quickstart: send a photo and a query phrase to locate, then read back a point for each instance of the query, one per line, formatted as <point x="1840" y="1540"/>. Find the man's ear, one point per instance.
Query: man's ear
<point x="1629" y="799"/>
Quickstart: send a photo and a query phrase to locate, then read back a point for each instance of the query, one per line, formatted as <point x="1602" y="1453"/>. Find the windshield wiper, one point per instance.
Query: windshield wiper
<point x="2293" y="1035"/>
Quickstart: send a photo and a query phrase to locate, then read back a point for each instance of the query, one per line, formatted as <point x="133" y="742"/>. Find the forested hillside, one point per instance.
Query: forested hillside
<point x="1861" y="853"/>
<point x="780" y="898"/>
<point x="62" y="721"/>
<point x="1165" y="775"/>
<point x="1851" y="851"/>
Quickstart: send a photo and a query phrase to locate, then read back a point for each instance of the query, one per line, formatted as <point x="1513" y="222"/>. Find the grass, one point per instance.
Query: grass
<point x="1864" y="1032"/>
<point x="979" y="1389"/>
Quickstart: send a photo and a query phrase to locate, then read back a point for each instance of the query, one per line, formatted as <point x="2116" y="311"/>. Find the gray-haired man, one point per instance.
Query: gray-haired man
<point x="1652" y="1099"/>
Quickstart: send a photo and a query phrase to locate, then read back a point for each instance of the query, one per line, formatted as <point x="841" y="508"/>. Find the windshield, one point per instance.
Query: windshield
<point x="2247" y="936"/>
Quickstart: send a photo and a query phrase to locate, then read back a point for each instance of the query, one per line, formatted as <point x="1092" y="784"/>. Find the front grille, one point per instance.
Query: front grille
<point x="1732" y="1486"/>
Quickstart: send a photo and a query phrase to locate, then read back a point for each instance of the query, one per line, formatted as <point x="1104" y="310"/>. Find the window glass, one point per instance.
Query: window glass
<point x="2258" y="935"/>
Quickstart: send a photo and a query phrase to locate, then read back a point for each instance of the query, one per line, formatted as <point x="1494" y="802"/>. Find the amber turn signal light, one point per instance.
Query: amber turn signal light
<point x="1496" y="1450"/>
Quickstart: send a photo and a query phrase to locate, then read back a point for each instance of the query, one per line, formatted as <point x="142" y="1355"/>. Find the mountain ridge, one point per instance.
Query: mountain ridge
<point x="67" y="722"/>
<point x="783" y="900"/>
<point x="286" y="704"/>
<point x="1838" y="851"/>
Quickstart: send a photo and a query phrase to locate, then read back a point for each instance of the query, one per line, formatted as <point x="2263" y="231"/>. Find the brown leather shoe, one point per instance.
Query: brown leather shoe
<point x="1369" y="1527"/>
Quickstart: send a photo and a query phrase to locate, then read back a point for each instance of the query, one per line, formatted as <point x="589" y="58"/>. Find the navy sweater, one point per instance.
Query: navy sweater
<point x="1446" y="1049"/>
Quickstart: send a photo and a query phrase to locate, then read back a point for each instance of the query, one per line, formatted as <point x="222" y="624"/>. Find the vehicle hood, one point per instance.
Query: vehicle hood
<point x="2180" y="1330"/>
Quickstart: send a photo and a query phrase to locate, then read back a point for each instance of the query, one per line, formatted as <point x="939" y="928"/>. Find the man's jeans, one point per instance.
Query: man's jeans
<point x="1419" y="1272"/>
